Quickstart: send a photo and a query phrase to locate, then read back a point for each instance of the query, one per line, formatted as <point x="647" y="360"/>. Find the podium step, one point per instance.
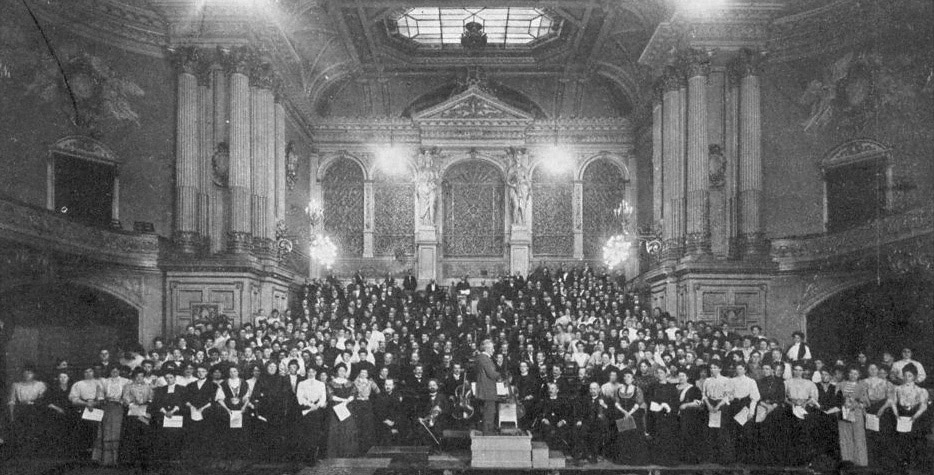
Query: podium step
<point x="556" y="459"/>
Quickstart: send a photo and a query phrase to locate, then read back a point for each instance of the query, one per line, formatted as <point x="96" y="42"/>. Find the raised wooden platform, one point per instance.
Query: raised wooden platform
<point x="500" y="451"/>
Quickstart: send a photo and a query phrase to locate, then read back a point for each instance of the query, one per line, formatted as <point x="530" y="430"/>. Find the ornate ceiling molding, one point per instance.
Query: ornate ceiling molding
<point x="806" y="34"/>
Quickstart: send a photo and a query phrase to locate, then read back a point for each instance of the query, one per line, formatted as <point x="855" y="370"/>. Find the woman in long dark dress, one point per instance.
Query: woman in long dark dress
<point x="365" y="390"/>
<point x="663" y="409"/>
<point x="830" y="401"/>
<point x="342" y="434"/>
<point x="233" y="397"/>
<point x="61" y="418"/>
<point x="269" y="400"/>
<point x="631" y="447"/>
<point x="911" y="407"/>
<point x="769" y="431"/>
<point x="692" y="419"/>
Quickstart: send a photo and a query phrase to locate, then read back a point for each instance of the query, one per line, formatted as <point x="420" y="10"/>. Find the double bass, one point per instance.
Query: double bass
<point x="463" y="408"/>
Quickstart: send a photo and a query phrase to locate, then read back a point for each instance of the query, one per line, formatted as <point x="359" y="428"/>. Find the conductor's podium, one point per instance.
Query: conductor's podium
<point x="500" y="451"/>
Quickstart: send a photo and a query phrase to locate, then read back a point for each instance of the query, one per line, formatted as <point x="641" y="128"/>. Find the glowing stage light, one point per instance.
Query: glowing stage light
<point x="392" y="159"/>
<point x="617" y="250"/>
<point x="557" y="160"/>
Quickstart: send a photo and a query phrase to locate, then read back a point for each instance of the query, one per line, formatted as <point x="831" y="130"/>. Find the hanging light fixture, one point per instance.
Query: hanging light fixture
<point x="619" y="248"/>
<point x="323" y="250"/>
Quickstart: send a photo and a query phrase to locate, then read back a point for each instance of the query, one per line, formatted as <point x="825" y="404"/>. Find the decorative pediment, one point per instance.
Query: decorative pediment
<point x="854" y="151"/>
<point x="86" y="148"/>
<point x="473" y="105"/>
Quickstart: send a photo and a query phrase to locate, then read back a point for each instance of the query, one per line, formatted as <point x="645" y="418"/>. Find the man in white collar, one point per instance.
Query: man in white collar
<point x="799" y="351"/>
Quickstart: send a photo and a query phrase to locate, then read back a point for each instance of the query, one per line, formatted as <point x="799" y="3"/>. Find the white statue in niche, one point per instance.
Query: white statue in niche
<point x="426" y="186"/>
<point x="519" y="184"/>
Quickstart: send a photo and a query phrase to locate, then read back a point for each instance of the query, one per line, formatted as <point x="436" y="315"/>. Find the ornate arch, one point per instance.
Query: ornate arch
<point x="331" y="158"/>
<point x="604" y="186"/>
<point x="552" y="212"/>
<point x="610" y="157"/>
<point x="473" y="197"/>
<point x="342" y="187"/>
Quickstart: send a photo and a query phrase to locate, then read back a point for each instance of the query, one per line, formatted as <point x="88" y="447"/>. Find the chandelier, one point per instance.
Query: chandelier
<point x="619" y="247"/>
<point x="323" y="250"/>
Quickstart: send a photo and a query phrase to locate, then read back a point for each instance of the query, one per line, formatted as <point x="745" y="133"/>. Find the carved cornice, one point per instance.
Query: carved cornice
<point x="806" y="34"/>
<point x="806" y="252"/>
<point x="240" y="59"/>
<point x="186" y="59"/>
<point x="731" y="27"/>
<point x="37" y="227"/>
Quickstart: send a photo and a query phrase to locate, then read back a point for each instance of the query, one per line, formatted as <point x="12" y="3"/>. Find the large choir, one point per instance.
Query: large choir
<point x="594" y="373"/>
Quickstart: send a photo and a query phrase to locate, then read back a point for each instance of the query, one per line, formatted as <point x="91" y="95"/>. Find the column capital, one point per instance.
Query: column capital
<point x="672" y="79"/>
<point x="696" y="62"/>
<point x="186" y="59"/>
<point x="747" y="63"/>
<point x="262" y="76"/>
<point x="239" y="59"/>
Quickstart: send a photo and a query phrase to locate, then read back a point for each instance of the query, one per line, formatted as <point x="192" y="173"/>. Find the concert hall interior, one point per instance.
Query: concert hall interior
<point x="399" y="236"/>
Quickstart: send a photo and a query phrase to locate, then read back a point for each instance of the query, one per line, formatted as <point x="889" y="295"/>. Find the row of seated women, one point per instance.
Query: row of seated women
<point x="770" y="421"/>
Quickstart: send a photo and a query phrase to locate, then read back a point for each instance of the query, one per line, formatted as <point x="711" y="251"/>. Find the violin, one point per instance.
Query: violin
<point x="463" y="408"/>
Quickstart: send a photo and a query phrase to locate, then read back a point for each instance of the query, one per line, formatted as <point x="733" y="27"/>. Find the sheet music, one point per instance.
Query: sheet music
<point x="137" y="410"/>
<point x="94" y="415"/>
<point x="196" y="415"/>
<point x="872" y="422"/>
<point x="236" y="419"/>
<point x="172" y="422"/>
<point x="742" y="416"/>
<point x="655" y="407"/>
<point x="904" y="425"/>
<point x="341" y="411"/>
<point x="761" y="413"/>
<point x="799" y="412"/>
<point x="501" y="389"/>
<point x="713" y="420"/>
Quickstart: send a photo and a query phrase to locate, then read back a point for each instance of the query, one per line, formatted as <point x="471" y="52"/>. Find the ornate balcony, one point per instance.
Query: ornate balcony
<point x="37" y="227"/>
<point x="891" y="234"/>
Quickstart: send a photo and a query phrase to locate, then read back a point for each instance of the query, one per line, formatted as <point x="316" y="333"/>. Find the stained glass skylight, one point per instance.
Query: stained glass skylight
<point x="504" y="26"/>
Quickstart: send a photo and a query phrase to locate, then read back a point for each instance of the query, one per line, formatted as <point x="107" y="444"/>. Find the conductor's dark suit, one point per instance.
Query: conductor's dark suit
<point x="487" y="376"/>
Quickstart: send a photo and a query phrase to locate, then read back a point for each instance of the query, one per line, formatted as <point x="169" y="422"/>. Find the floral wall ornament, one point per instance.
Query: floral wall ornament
<point x="291" y="166"/>
<point x="716" y="167"/>
<point x="220" y="164"/>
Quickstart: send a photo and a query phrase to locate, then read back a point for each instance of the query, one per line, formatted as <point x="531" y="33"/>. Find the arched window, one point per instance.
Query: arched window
<point x="604" y="188"/>
<point x="552" y="201"/>
<point x="857" y="178"/>
<point x="474" y="194"/>
<point x="393" y="216"/>
<point x="342" y="187"/>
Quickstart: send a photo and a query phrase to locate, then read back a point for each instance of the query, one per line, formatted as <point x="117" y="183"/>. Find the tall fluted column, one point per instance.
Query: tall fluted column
<point x="750" y="154"/>
<point x="259" y="162"/>
<point x="577" y="214"/>
<point x="673" y="143"/>
<point x="279" y="112"/>
<point x="206" y="129"/>
<point x="220" y="152"/>
<point x="240" y="236"/>
<point x="658" y="179"/>
<point x="698" y="226"/>
<point x="186" y="152"/>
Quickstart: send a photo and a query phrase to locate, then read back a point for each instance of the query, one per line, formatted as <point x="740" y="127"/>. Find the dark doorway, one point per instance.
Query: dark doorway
<point x="53" y="321"/>
<point x="876" y="318"/>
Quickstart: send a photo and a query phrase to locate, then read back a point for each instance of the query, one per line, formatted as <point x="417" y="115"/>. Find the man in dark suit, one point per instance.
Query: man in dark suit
<point x="410" y="283"/>
<point x="590" y="425"/>
<point x="435" y="414"/>
<point x="389" y="412"/>
<point x="487" y="376"/>
<point x="553" y="424"/>
<point x="200" y="395"/>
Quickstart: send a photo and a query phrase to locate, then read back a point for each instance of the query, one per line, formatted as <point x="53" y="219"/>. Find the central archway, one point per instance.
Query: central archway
<point x="51" y="321"/>
<point x="474" y="195"/>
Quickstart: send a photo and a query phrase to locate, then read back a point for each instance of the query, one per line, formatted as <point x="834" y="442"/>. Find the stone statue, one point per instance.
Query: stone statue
<point x="426" y="187"/>
<point x="519" y="184"/>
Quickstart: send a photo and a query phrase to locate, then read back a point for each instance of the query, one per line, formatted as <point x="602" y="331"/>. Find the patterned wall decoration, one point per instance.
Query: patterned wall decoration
<point x="603" y="189"/>
<point x="473" y="194"/>
<point x="394" y="218"/>
<point x="343" y="206"/>
<point x="552" y="198"/>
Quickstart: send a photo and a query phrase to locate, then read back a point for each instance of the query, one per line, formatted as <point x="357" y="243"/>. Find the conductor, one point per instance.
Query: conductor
<point x="487" y="376"/>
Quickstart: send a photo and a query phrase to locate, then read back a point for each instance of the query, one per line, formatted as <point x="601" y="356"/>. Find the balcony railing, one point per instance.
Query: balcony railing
<point x="801" y="252"/>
